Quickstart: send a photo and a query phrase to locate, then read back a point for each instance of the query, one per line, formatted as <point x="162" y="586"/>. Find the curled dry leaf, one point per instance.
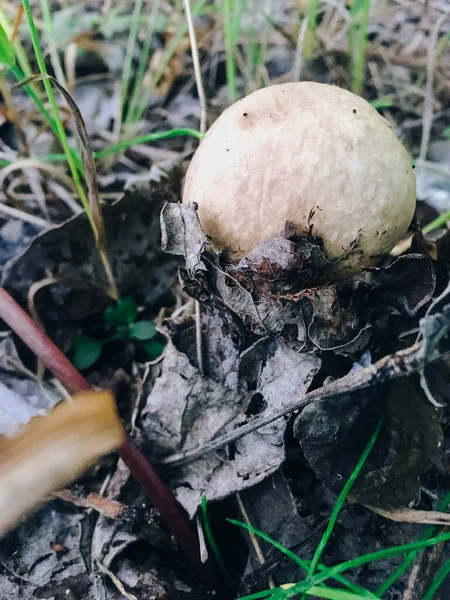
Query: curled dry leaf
<point x="274" y="290"/>
<point x="51" y="451"/>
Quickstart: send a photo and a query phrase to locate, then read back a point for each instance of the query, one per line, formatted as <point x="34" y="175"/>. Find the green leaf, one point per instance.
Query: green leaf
<point x="87" y="353"/>
<point x="154" y="348"/>
<point x="143" y="330"/>
<point x="446" y="133"/>
<point x="383" y="102"/>
<point x="123" y="313"/>
<point x="7" y="53"/>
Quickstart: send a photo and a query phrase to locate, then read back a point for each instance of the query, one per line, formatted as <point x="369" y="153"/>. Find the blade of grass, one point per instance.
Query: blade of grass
<point x="210" y="536"/>
<point x="340" y="501"/>
<point x="123" y="145"/>
<point x="231" y="25"/>
<point x="317" y="592"/>
<point x="311" y="15"/>
<point x="21" y="55"/>
<point x="143" y="61"/>
<point x="359" y="12"/>
<point x="19" y="74"/>
<point x="437" y="222"/>
<point x="438" y="580"/>
<point x="333" y="594"/>
<point x="364" y="559"/>
<point x="7" y="53"/>
<point x="54" y="57"/>
<point x="429" y="531"/>
<point x="126" y="73"/>
<point x="146" y="92"/>
<point x="303" y="564"/>
<point x="93" y="200"/>
<point x="262" y="50"/>
<point x="59" y="125"/>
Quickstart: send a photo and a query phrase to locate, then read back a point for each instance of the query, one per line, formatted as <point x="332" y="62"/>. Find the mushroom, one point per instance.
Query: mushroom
<point x="314" y="155"/>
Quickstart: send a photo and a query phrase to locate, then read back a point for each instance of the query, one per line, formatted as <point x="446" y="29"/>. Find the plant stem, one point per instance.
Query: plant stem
<point x="158" y="493"/>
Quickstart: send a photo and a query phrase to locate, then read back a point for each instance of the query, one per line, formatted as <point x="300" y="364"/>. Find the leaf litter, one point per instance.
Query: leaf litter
<point x="257" y="317"/>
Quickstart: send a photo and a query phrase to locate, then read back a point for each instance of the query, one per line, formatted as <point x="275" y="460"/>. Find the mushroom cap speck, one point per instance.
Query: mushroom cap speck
<point x="308" y="153"/>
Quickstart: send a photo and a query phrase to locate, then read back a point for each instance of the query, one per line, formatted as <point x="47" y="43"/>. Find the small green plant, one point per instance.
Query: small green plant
<point x="121" y="323"/>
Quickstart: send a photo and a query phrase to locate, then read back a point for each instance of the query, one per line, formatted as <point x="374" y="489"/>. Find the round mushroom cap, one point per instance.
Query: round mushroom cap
<point x="308" y="153"/>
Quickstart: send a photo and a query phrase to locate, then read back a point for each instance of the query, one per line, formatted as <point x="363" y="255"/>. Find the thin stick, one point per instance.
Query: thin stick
<point x="429" y="96"/>
<point x="202" y="99"/>
<point x="298" y="61"/>
<point x="160" y="495"/>
<point x="15" y="213"/>
<point x="196" y="63"/>
<point x="253" y="538"/>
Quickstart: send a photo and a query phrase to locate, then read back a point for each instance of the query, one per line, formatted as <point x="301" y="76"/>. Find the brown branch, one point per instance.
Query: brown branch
<point x="159" y="494"/>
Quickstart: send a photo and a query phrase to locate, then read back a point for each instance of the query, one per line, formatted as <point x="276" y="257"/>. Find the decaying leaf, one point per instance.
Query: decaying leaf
<point x="411" y="439"/>
<point x="51" y="451"/>
<point x="274" y="290"/>
<point x="22" y="395"/>
<point x="185" y="409"/>
<point x="407" y="284"/>
<point x="68" y="254"/>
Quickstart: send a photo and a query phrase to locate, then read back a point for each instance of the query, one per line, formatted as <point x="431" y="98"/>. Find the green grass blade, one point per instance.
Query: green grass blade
<point x="7" y="53"/>
<point x="145" y="92"/>
<point x="311" y="15"/>
<point x="358" y="41"/>
<point x="21" y="55"/>
<point x="126" y="73"/>
<point x="340" y="501"/>
<point x="364" y="559"/>
<point x="143" y="139"/>
<point x="210" y="536"/>
<point x="231" y="36"/>
<point x="333" y="594"/>
<point x="54" y="57"/>
<point x="143" y="61"/>
<point x="429" y="531"/>
<point x="438" y="580"/>
<point x="59" y="125"/>
<point x="303" y="564"/>
<point x="437" y="222"/>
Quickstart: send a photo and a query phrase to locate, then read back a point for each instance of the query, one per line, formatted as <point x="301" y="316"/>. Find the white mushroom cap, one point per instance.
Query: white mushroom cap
<point x="290" y="149"/>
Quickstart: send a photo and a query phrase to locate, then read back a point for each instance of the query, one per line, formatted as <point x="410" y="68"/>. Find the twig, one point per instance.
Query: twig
<point x="15" y="213"/>
<point x="253" y="538"/>
<point x="393" y="366"/>
<point x="196" y="63"/>
<point x="160" y="495"/>
<point x="298" y="60"/>
<point x="202" y="99"/>
<point x="424" y="571"/>
<point x="429" y="96"/>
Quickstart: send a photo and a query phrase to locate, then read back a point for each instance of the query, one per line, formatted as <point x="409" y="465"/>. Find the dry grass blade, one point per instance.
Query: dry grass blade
<point x="406" y="515"/>
<point x="51" y="451"/>
<point x="202" y="99"/>
<point x="429" y="97"/>
<point x="90" y="174"/>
